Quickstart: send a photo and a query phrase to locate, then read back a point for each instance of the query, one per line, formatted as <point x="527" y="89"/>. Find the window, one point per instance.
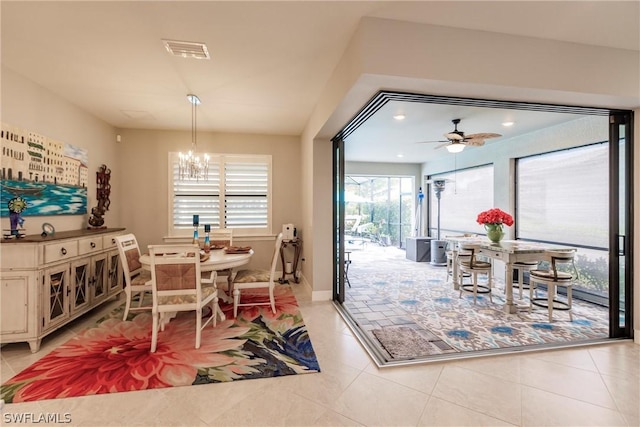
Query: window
<point x="379" y="207"/>
<point x="563" y="197"/>
<point x="236" y="195"/>
<point x="467" y="192"/>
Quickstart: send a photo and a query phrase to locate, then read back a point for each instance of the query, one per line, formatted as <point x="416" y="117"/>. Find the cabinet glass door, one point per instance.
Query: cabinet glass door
<point x="98" y="281"/>
<point x="114" y="283"/>
<point x="80" y="285"/>
<point x="56" y="285"/>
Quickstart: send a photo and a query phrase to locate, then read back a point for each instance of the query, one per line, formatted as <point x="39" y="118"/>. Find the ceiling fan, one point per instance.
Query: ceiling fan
<point x="457" y="140"/>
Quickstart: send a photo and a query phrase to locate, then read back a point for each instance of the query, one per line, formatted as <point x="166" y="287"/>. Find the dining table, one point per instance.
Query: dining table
<point x="507" y="251"/>
<point x="218" y="259"/>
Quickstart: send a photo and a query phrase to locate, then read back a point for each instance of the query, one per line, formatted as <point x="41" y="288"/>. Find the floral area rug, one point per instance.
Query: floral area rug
<point x="114" y="355"/>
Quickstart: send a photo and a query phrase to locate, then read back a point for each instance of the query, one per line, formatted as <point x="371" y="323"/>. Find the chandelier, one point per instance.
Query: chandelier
<point x="191" y="165"/>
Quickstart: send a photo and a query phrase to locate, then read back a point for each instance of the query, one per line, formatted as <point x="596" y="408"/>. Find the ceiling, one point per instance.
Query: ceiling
<point x="420" y="135"/>
<point x="269" y="60"/>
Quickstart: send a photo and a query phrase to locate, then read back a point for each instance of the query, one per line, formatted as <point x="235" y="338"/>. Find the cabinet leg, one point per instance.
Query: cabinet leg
<point x="34" y="345"/>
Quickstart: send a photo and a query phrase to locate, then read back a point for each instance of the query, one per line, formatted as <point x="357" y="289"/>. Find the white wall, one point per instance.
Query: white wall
<point x="28" y="105"/>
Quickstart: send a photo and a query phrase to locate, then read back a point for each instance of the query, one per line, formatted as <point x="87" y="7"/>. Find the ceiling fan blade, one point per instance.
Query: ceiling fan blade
<point x="482" y="136"/>
<point x="459" y="136"/>
<point x="474" y="142"/>
<point x="429" y="142"/>
<point x="442" y="145"/>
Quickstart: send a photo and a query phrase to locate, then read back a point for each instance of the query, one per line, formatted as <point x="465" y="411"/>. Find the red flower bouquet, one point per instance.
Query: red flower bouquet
<point x="495" y="217"/>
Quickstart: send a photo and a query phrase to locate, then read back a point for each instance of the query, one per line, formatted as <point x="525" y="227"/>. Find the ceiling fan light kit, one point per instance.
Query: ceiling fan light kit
<point x="457" y="140"/>
<point x="455" y="147"/>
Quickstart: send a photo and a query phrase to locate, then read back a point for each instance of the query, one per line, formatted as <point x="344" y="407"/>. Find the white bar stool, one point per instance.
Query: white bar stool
<point x="472" y="266"/>
<point x="553" y="279"/>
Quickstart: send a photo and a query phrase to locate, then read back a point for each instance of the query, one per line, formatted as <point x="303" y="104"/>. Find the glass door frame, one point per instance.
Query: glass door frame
<point x="621" y="230"/>
<point x="338" y="220"/>
<point x="620" y="245"/>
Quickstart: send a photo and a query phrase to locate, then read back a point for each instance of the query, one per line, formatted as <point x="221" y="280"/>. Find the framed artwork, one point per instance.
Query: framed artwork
<point x="50" y="176"/>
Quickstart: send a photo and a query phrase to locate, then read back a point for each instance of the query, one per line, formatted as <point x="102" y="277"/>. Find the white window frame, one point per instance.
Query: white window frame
<point x="221" y="160"/>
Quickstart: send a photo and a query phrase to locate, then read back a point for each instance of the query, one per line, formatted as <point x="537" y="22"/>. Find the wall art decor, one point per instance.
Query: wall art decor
<point x="103" y="191"/>
<point x="49" y="175"/>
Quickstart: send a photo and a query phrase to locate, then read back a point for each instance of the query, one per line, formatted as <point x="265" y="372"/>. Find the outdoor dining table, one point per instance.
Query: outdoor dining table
<point x="507" y="251"/>
<point x="218" y="260"/>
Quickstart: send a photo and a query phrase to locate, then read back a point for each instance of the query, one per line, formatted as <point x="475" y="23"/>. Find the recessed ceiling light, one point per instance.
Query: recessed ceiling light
<point x="400" y="155"/>
<point x="399" y="116"/>
<point x="507" y="124"/>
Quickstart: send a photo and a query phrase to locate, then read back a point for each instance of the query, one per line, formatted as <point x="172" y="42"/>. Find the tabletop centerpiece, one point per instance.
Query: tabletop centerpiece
<point x="493" y="221"/>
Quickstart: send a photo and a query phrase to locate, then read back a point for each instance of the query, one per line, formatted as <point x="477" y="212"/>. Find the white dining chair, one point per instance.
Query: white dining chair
<point x="223" y="238"/>
<point x="178" y="286"/>
<point x="136" y="280"/>
<point x="255" y="279"/>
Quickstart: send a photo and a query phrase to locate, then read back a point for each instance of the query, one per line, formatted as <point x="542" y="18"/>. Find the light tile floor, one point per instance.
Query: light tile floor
<point x="597" y="385"/>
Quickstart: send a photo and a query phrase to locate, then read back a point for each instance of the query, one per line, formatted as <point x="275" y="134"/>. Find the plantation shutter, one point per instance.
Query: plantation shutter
<point x="246" y="194"/>
<point x="200" y="197"/>
<point x="236" y="194"/>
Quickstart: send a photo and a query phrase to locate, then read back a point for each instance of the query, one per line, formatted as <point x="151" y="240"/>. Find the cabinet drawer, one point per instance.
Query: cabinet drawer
<point x="93" y="244"/>
<point x="502" y="256"/>
<point x="60" y="251"/>
<point x="109" y="242"/>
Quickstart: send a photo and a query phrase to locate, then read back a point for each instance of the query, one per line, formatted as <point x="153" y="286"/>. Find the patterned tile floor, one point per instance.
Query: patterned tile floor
<point x="389" y="290"/>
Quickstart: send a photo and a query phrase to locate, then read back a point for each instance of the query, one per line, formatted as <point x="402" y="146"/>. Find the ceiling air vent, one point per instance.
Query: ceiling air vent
<point x="186" y="49"/>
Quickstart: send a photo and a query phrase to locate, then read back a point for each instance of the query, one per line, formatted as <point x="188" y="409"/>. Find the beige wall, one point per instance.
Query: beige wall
<point x="143" y="158"/>
<point x="27" y="105"/>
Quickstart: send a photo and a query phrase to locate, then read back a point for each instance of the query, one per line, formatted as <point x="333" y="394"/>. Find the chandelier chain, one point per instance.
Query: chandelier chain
<point x="190" y="165"/>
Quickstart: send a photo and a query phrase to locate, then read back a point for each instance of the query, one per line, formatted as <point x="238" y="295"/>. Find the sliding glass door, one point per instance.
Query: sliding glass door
<point x="338" y="220"/>
<point x="620" y="231"/>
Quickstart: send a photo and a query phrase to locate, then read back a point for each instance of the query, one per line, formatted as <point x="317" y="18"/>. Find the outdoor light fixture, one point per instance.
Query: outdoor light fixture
<point x="438" y="247"/>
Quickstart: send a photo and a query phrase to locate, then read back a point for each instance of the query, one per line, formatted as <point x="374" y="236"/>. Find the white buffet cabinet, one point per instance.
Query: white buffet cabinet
<point x="48" y="281"/>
